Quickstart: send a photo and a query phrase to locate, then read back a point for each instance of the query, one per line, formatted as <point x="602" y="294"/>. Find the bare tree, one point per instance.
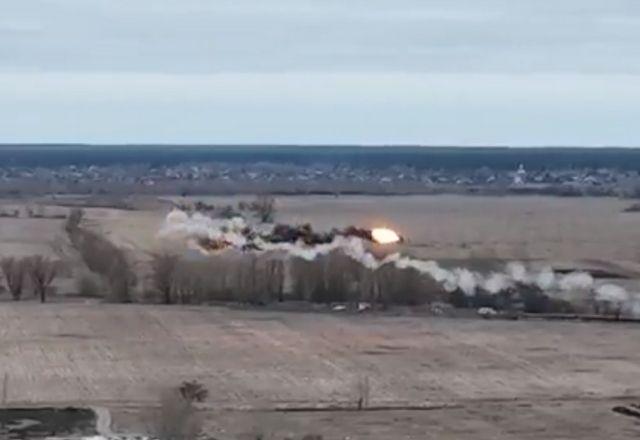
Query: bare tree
<point x="104" y="258"/>
<point x="193" y="391"/>
<point x="265" y="208"/>
<point x="363" y="392"/>
<point x="121" y="279"/>
<point x="74" y="219"/>
<point x="274" y="279"/>
<point x="42" y="271"/>
<point x="14" y="273"/>
<point x="164" y="268"/>
<point x="178" y="418"/>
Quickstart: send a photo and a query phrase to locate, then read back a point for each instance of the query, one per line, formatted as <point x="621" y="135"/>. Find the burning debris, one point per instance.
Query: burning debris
<point x="212" y="245"/>
<point x="305" y="234"/>
<point x="292" y="234"/>
<point x="385" y="236"/>
<point x="210" y="235"/>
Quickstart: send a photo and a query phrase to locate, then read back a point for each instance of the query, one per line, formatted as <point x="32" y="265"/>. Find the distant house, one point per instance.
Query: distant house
<point x="520" y="176"/>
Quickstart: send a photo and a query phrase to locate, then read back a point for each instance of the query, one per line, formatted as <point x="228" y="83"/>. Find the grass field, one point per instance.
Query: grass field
<point x="123" y="356"/>
<point x="439" y="227"/>
<point x="26" y="236"/>
<point x="564" y="230"/>
<point x="471" y="378"/>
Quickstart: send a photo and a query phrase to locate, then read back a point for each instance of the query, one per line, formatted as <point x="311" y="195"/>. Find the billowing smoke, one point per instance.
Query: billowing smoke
<point x="179" y="224"/>
<point x="576" y="281"/>
<point x="212" y="235"/>
<point x="612" y="294"/>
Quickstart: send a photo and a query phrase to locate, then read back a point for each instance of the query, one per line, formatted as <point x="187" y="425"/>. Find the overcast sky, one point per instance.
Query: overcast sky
<point x="455" y="72"/>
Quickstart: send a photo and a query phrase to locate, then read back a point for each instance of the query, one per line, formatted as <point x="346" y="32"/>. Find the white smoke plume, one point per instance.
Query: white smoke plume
<point x="612" y="294"/>
<point x="192" y="228"/>
<point x="576" y="281"/>
<point x="546" y="279"/>
<point x="632" y="307"/>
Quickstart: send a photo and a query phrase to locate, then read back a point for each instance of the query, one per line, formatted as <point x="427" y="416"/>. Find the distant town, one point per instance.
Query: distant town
<point x="320" y="178"/>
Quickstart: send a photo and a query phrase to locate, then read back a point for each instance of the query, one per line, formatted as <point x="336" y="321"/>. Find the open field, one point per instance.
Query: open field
<point x="26" y="236"/>
<point x="465" y="378"/>
<point x="522" y="374"/>
<point x="564" y="230"/>
<point x="478" y="232"/>
<point x="439" y="227"/>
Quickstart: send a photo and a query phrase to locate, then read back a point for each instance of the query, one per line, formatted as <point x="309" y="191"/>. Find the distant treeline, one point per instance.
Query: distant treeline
<point x="447" y="158"/>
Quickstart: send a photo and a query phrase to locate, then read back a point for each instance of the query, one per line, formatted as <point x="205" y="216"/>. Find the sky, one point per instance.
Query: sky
<point x="428" y="72"/>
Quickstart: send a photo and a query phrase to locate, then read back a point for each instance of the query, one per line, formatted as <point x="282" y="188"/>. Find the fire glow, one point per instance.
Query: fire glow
<point x="384" y="236"/>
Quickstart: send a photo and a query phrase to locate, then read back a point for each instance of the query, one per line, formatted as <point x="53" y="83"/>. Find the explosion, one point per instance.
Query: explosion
<point x="210" y="236"/>
<point x="384" y="236"/>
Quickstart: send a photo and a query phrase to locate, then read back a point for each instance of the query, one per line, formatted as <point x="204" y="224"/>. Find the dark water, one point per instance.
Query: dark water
<point x="38" y="423"/>
<point x="446" y="158"/>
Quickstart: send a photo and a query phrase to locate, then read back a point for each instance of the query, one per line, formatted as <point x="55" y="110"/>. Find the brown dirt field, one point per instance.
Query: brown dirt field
<point x="517" y="420"/>
<point x="504" y="379"/>
<point x="501" y="376"/>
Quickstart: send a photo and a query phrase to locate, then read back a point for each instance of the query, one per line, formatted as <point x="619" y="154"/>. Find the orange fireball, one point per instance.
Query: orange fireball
<point x="384" y="235"/>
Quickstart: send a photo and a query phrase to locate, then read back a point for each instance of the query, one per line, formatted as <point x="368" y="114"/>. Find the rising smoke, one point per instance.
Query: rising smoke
<point x="212" y="235"/>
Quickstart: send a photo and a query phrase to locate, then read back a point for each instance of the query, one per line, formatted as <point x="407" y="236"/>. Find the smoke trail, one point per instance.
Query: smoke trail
<point x="546" y="279"/>
<point x="576" y="281"/>
<point x="632" y="307"/>
<point x="236" y="233"/>
<point x="612" y="294"/>
<point x="497" y="282"/>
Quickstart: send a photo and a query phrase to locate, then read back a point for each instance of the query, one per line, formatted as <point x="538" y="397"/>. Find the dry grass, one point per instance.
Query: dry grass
<point x="547" y="228"/>
<point x="22" y="237"/>
<point x="108" y="354"/>
<point x="550" y="228"/>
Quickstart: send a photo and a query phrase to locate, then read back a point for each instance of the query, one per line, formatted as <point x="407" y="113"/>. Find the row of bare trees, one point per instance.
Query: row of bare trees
<point x="335" y="277"/>
<point x="263" y="208"/>
<point x="230" y="277"/>
<point x="38" y="270"/>
<point x="102" y="257"/>
<point x="261" y="279"/>
<point x="330" y="278"/>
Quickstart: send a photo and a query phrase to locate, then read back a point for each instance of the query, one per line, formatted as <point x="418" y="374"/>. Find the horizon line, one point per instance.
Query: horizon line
<point x="307" y="145"/>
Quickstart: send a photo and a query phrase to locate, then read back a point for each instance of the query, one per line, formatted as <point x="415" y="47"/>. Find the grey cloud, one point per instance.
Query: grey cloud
<point x="321" y="108"/>
<point x="467" y="72"/>
<point x="199" y="36"/>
